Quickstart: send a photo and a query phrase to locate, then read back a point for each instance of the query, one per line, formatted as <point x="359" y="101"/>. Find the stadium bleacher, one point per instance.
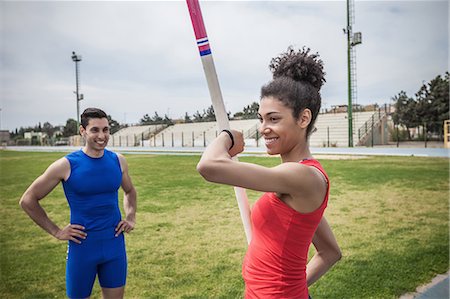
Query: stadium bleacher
<point x="134" y="135"/>
<point x="332" y="131"/>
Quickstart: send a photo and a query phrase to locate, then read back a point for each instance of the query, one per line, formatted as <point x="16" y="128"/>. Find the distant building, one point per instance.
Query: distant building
<point x="338" y="108"/>
<point x="36" y="138"/>
<point x="4" y="137"/>
<point x="371" y="107"/>
<point x="58" y="131"/>
<point x="76" y="140"/>
<point x="32" y="135"/>
<point x="355" y="108"/>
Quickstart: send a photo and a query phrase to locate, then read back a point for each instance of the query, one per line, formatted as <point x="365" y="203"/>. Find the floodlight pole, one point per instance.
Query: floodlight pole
<point x="350" y="106"/>
<point x="353" y="39"/>
<point x="77" y="58"/>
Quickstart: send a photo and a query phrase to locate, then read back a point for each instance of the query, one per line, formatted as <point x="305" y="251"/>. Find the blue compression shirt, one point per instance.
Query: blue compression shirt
<point x="92" y="190"/>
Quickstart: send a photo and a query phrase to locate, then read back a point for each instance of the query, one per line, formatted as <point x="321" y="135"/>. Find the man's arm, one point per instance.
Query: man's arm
<point x="42" y="186"/>
<point x="328" y="253"/>
<point x="129" y="200"/>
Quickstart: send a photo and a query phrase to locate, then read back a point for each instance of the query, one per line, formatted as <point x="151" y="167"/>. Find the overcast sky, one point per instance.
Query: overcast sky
<point x="141" y="57"/>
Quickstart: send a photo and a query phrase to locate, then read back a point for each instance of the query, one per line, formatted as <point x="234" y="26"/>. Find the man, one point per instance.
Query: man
<point x="91" y="178"/>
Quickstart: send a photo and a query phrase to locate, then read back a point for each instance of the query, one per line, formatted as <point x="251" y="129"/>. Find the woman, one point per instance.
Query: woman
<point x="288" y="217"/>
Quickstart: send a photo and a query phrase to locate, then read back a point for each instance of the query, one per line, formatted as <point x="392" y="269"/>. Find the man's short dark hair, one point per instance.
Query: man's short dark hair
<point x="91" y="113"/>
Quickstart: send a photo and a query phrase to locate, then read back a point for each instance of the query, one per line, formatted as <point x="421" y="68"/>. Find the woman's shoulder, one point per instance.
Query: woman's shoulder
<point x="316" y="164"/>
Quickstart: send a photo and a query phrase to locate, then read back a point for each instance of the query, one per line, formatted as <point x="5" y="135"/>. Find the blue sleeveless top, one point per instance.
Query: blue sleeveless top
<point x="92" y="190"/>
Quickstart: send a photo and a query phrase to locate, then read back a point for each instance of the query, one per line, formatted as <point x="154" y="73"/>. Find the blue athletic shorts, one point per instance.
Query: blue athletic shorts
<point x="102" y="254"/>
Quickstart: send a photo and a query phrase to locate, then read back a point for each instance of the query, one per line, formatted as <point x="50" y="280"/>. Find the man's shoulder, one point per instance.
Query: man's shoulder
<point x="113" y="154"/>
<point x="77" y="153"/>
<point x="74" y="158"/>
<point x="59" y="168"/>
<point x="119" y="158"/>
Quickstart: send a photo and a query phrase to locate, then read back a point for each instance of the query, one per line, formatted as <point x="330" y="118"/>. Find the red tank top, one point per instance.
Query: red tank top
<point x="275" y="263"/>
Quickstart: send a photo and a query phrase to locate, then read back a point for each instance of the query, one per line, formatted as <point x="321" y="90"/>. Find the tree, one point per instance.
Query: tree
<point x="70" y="128"/>
<point x="48" y="129"/>
<point x="238" y="115"/>
<point x="206" y="115"/>
<point x="157" y="119"/>
<point x="429" y="109"/>
<point x="187" y="118"/>
<point x="167" y="120"/>
<point x="197" y="117"/>
<point x="114" y="125"/>
<point x="405" y="111"/>
<point x="15" y="134"/>
<point x="433" y="104"/>
<point x="145" y="120"/>
<point x="209" y="114"/>
<point x="251" y="111"/>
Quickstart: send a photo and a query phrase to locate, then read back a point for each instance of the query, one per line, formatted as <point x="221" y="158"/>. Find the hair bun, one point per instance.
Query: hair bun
<point x="299" y="66"/>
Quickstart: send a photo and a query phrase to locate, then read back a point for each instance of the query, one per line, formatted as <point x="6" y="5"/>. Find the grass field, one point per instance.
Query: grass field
<point x="390" y="216"/>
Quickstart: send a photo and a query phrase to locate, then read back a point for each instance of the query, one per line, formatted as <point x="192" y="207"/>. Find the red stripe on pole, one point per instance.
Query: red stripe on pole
<point x="196" y="19"/>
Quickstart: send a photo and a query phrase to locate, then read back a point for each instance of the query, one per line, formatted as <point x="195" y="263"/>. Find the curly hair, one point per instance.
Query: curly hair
<point x="297" y="79"/>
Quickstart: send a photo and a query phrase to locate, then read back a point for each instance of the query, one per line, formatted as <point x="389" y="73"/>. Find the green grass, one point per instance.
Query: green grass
<point x="390" y="216"/>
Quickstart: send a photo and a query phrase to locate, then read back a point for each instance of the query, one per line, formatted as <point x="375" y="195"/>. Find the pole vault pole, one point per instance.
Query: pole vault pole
<point x="217" y="101"/>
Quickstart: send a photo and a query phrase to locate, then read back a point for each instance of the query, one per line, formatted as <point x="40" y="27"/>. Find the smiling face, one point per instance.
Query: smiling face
<point x="96" y="135"/>
<point x="282" y="132"/>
